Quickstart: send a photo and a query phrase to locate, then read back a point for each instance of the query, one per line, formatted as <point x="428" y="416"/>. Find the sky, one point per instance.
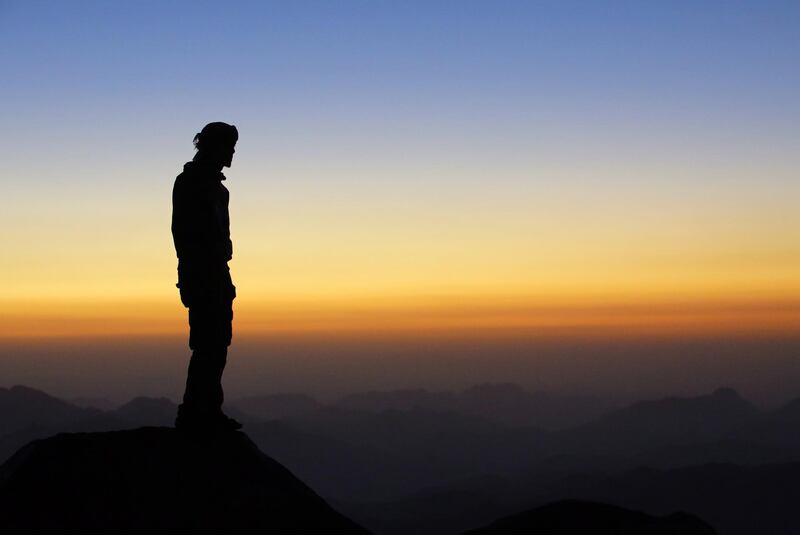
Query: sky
<point x="613" y="170"/>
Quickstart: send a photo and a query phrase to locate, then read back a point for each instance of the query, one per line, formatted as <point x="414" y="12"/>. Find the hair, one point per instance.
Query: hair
<point x="215" y="135"/>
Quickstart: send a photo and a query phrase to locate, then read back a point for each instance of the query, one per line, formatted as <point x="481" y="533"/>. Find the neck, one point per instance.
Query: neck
<point x="208" y="162"/>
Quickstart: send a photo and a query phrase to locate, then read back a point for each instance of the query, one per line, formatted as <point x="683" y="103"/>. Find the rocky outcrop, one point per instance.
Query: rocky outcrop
<point x="157" y="480"/>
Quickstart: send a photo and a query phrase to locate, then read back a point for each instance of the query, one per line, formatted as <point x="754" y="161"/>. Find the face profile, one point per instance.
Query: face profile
<point x="216" y="144"/>
<point x="228" y="155"/>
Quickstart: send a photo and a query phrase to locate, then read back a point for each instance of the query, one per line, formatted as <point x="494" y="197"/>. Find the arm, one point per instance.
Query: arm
<point x="194" y="236"/>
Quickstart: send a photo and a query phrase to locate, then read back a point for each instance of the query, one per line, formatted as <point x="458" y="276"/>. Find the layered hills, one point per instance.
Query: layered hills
<point x="423" y="462"/>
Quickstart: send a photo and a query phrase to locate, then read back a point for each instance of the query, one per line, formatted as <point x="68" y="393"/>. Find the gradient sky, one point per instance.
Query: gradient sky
<point x="607" y="167"/>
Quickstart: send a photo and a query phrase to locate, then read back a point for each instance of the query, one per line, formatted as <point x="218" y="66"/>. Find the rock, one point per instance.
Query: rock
<point x="157" y="480"/>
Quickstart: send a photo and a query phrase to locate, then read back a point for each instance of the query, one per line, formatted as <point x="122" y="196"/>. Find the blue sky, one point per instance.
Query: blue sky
<point x="405" y="118"/>
<point x="414" y="165"/>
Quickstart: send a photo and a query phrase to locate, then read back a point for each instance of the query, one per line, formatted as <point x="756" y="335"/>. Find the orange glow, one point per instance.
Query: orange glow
<point x="445" y="316"/>
<point x="541" y="250"/>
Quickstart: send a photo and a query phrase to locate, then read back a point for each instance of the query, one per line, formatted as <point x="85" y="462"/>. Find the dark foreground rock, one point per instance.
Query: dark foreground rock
<point x="157" y="480"/>
<point x="581" y="518"/>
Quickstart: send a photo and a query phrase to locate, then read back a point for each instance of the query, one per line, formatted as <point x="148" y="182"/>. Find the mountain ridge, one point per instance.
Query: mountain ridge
<point x="157" y="480"/>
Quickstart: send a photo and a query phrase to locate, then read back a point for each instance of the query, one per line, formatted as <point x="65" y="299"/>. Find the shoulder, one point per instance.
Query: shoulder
<point x="188" y="179"/>
<point x="180" y="180"/>
<point x="183" y="184"/>
<point x="187" y="189"/>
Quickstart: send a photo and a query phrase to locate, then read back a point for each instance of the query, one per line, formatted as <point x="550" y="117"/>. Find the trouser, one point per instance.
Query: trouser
<point x="209" y="338"/>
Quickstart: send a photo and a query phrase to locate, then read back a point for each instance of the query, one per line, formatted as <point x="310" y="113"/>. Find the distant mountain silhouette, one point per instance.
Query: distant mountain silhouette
<point x="27" y="414"/>
<point x="403" y="399"/>
<point x="436" y="511"/>
<point x="157" y="480"/>
<point x="277" y="406"/>
<point x="779" y="427"/>
<point x="99" y="403"/>
<point x="658" y="422"/>
<point x="789" y="411"/>
<point x="332" y="467"/>
<point x="22" y="407"/>
<point x="516" y="406"/>
<point x="684" y="418"/>
<point x="736" y="500"/>
<point x="390" y="428"/>
<point x="429" y="471"/>
<point x="143" y="411"/>
<point x="506" y="403"/>
<point x="583" y="518"/>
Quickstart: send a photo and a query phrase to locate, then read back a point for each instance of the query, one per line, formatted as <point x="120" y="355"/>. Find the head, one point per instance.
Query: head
<point x="216" y="143"/>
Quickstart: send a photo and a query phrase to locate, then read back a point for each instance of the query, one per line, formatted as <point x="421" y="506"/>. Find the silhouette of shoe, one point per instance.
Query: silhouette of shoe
<point x="229" y="423"/>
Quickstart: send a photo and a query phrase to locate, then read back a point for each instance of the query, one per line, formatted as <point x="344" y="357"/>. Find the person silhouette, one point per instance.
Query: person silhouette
<point x="201" y="234"/>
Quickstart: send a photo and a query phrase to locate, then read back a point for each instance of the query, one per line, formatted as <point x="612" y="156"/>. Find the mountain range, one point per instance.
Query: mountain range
<point x="416" y="461"/>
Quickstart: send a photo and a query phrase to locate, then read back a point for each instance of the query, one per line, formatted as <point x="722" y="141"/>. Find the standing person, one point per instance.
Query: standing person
<point x="201" y="233"/>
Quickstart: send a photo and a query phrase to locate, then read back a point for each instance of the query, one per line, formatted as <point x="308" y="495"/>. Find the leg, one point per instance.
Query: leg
<point x="209" y="337"/>
<point x="203" y="394"/>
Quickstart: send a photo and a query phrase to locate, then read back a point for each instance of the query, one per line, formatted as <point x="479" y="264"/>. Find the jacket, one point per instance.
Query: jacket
<point x="201" y="234"/>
